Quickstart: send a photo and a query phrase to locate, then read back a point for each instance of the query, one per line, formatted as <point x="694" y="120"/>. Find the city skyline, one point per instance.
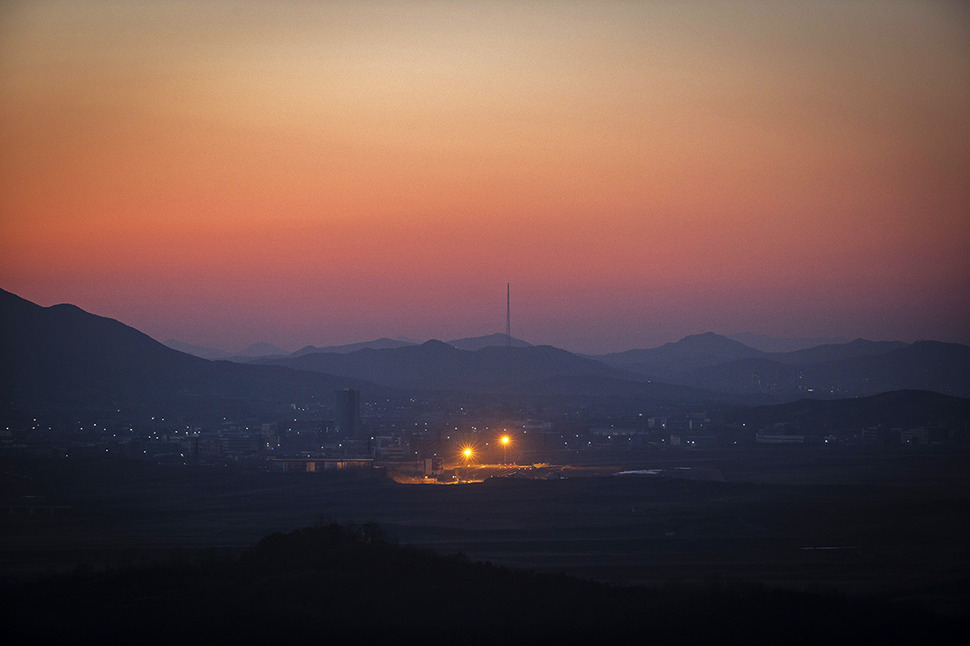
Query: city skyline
<point x="333" y="172"/>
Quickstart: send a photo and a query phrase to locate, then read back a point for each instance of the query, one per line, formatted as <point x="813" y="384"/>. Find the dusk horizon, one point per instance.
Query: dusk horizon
<point x="685" y="287"/>
<point x="699" y="274"/>
<point x="593" y="347"/>
<point x="332" y="172"/>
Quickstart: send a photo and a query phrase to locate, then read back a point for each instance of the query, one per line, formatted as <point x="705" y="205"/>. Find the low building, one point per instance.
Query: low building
<point x="312" y="465"/>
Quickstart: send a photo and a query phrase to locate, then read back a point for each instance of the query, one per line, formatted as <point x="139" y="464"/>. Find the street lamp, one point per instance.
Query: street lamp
<point x="505" y="449"/>
<point x="468" y="454"/>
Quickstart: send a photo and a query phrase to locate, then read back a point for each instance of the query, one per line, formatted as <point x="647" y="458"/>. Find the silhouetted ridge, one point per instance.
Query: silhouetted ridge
<point x="695" y="351"/>
<point x="64" y="357"/>
<point x="197" y="350"/>
<point x="435" y="365"/>
<point x="490" y="340"/>
<point x="350" y="584"/>
<point x="904" y="409"/>
<point x="858" y="368"/>
<point x="377" y="344"/>
<point x="837" y="352"/>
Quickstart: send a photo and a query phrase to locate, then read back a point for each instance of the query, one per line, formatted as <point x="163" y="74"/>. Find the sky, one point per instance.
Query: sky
<point x="314" y="172"/>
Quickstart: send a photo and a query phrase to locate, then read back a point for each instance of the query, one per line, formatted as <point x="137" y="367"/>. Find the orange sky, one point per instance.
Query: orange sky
<point x="330" y="172"/>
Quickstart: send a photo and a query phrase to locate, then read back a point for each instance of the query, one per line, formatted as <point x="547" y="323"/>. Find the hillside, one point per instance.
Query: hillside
<point x="62" y="357"/>
<point x="351" y="585"/>
<point x="858" y="368"/>
<point x="903" y="409"/>
<point x="435" y="365"/>
<point x="695" y="351"/>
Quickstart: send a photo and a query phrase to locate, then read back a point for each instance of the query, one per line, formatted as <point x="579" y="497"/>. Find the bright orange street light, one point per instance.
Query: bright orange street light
<point x="468" y="453"/>
<point x="505" y="449"/>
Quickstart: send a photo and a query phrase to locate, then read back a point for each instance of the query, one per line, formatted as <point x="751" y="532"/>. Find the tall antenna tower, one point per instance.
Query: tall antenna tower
<point x="508" y="317"/>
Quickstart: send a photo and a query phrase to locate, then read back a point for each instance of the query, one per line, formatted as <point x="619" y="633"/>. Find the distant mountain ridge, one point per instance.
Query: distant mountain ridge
<point x="213" y="354"/>
<point x="259" y="349"/>
<point x="64" y="355"/>
<point x="61" y="357"/>
<point x="694" y="351"/>
<point x="906" y="408"/>
<point x="488" y="341"/>
<point x="377" y="344"/>
<point x="767" y="343"/>
<point x="435" y="365"/>
<point x="716" y="363"/>
<point x="384" y="343"/>
<point x="837" y="351"/>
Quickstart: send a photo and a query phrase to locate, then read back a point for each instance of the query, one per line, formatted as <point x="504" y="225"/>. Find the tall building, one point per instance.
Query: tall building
<point x="346" y="412"/>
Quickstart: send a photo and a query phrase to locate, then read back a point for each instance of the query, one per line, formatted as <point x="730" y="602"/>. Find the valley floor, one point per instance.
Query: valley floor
<point x="892" y="525"/>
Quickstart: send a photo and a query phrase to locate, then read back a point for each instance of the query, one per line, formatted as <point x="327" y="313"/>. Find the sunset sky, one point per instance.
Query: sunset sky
<point x="313" y="172"/>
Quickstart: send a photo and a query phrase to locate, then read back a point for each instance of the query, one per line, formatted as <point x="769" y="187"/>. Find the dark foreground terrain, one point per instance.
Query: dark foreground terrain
<point x="331" y="582"/>
<point x="769" y="544"/>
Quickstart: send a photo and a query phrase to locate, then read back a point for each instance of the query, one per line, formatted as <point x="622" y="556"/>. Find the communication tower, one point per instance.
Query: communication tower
<point x="508" y="317"/>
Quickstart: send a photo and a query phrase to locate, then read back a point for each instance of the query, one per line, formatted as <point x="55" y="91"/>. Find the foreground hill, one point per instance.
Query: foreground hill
<point x="350" y="585"/>
<point x="62" y="357"/>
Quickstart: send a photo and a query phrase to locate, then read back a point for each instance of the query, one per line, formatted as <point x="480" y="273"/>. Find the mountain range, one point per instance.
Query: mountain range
<point x="767" y="343"/>
<point x="858" y="368"/>
<point x="435" y="365"/>
<point x="63" y="356"/>
<point x="264" y="350"/>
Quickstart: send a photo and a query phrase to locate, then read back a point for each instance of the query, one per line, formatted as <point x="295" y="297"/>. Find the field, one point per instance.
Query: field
<point x="876" y="523"/>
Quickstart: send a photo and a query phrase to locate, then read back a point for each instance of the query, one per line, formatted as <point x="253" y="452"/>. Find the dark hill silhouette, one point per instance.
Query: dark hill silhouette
<point x="925" y="365"/>
<point x="436" y="365"/>
<point x="767" y="343"/>
<point x="352" y="586"/>
<point x="714" y="363"/>
<point x="64" y="357"/>
<point x="377" y="344"/>
<point x="904" y="408"/>
<point x="695" y="351"/>
<point x="203" y="352"/>
<point x="837" y="351"/>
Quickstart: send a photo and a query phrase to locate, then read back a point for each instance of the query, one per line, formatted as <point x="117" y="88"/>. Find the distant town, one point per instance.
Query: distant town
<point x="432" y="439"/>
<point x="81" y="385"/>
